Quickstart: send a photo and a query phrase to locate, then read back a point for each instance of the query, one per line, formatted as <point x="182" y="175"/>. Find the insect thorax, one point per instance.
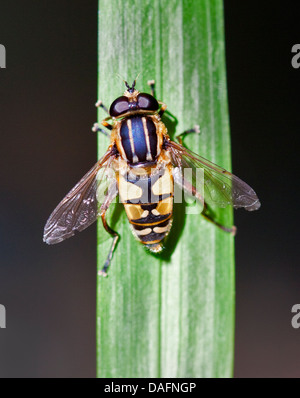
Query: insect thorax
<point x="139" y="138"/>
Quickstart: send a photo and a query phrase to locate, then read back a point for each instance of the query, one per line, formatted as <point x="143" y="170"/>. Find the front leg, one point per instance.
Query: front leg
<point x="163" y="106"/>
<point x="151" y="83"/>
<point x="99" y="104"/>
<point x="96" y="128"/>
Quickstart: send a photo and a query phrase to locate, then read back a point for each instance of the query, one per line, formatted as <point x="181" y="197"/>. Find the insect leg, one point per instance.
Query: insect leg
<point x="151" y="83"/>
<point x="106" y="124"/>
<point x="195" y="129"/>
<point x="99" y="104"/>
<point x="116" y="237"/>
<point x="110" y="196"/>
<point x="97" y="129"/>
<point x="231" y="230"/>
<point x="162" y="109"/>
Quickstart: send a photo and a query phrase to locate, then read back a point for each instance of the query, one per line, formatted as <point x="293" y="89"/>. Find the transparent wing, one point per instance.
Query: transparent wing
<point x="221" y="188"/>
<point x="80" y="207"/>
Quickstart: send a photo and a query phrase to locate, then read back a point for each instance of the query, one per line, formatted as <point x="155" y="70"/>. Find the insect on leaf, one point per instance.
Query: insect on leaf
<point x="169" y="314"/>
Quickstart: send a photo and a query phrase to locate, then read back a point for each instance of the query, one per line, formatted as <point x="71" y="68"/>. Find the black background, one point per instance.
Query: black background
<point x="47" y="96"/>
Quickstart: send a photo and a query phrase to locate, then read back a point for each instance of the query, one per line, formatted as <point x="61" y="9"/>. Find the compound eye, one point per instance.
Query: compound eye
<point x="147" y="102"/>
<point x="119" y="106"/>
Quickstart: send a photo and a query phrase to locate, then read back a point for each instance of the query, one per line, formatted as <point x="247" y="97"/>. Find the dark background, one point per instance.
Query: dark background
<point x="47" y="96"/>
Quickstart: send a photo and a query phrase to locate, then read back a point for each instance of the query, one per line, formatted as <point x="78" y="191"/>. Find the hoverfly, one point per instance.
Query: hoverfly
<point x="141" y="165"/>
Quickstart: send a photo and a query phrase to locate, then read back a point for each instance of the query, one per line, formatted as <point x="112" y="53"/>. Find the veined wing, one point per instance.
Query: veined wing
<point x="221" y="188"/>
<point x="80" y="207"/>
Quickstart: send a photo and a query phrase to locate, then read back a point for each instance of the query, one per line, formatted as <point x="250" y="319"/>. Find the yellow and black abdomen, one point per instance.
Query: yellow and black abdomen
<point x="148" y="201"/>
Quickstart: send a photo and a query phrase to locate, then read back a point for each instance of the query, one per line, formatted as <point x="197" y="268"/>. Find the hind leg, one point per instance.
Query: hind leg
<point x="232" y="230"/>
<point x="116" y="237"/>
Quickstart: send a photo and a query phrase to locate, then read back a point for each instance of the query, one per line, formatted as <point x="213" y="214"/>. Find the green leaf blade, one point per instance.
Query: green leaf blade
<point x="168" y="315"/>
